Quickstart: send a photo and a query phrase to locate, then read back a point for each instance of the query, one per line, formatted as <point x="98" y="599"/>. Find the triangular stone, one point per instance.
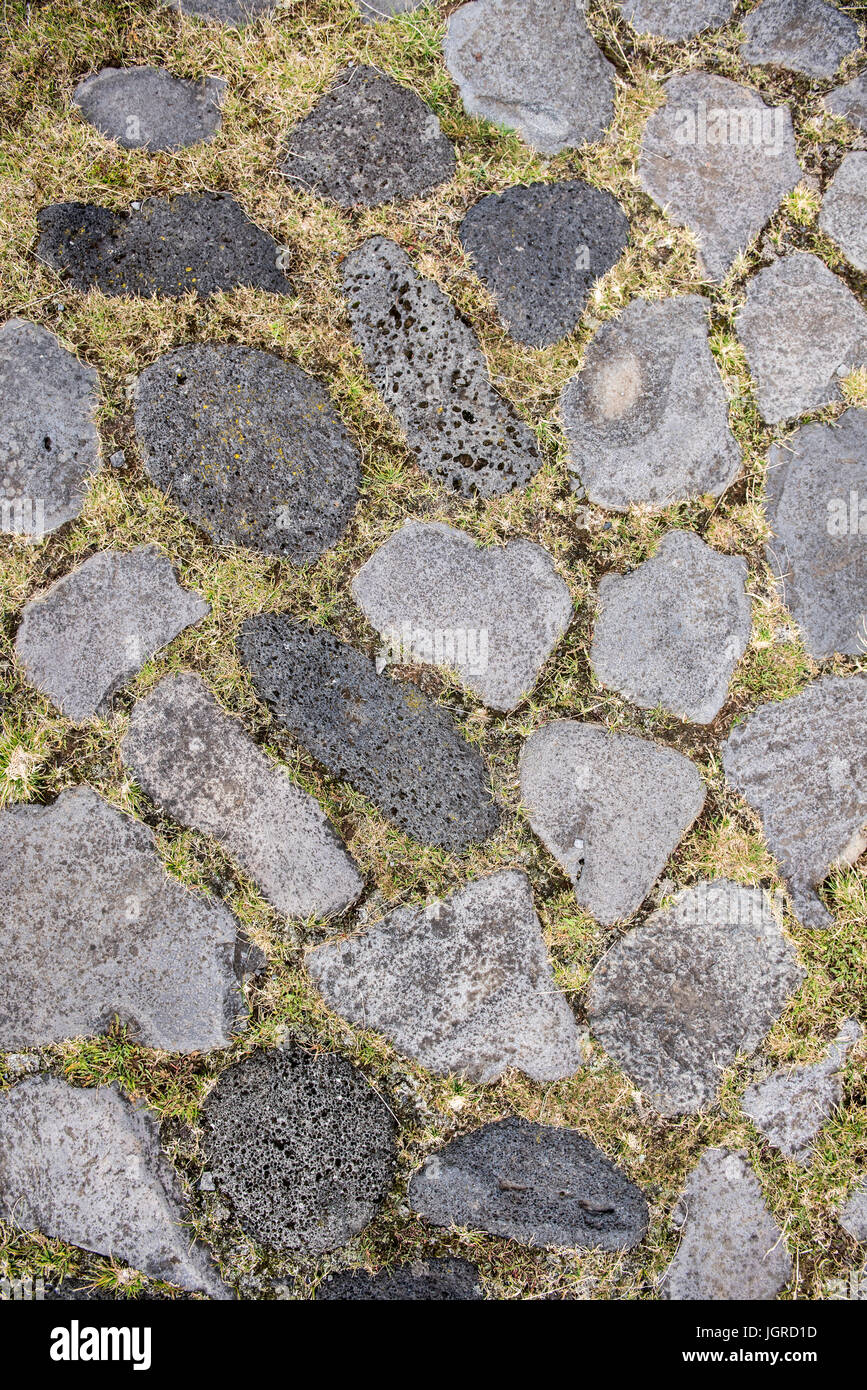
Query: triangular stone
<point x="790" y="1106"/>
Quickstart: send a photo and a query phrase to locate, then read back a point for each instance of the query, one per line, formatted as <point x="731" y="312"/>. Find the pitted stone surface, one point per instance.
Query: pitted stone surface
<point x="850" y="101"/>
<point x="531" y="1183"/>
<point x="672" y="631"/>
<point x="463" y="985"/>
<point x="93" y="630"/>
<point x="430" y="371"/>
<point x="799" y="326"/>
<point x="540" y="248"/>
<point x="791" y="1106"/>
<point x="532" y="66"/>
<point x="493" y="615"/>
<point x="236" y="13"/>
<point x="802" y="764"/>
<point x="250" y="447"/>
<point x="369" y="141"/>
<point x="672" y="19"/>
<point x="806" y="36"/>
<point x="647" y="416"/>
<point x="731" y="1248"/>
<point x="443" y="1280"/>
<point x="610" y="807"/>
<point x="384" y="738"/>
<point x="817" y="511"/>
<point x="192" y="241"/>
<point x="375" y="10"/>
<point x="844" y="209"/>
<point x="149" y="108"/>
<point x="674" y="1001"/>
<point x="48" y="440"/>
<point x="93" y="927"/>
<point x="853" y="1217"/>
<point x="197" y="762"/>
<point x="719" y="161"/>
<point x="302" y="1146"/>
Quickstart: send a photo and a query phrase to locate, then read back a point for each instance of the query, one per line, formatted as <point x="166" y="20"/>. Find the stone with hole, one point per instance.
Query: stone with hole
<point x="805" y="36"/>
<point x="790" y="1107"/>
<point x="844" y="209"/>
<point x="149" y="108"/>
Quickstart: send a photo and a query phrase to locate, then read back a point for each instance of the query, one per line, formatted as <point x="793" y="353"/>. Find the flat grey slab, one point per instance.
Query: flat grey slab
<point x="492" y="615"/>
<point x="532" y="66"/>
<point x="375" y="10"/>
<point x="440" y="1281"/>
<point x="540" y="248"/>
<point x="200" y="242"/>
<point x="236" y="13"/>
<point x="844" y="209"/>
<point x="531" y="1183"/>
<point x="93" y="630"/>
<point x="672" y="19"/>
<point x="427" y="365"/>
<point x="801" y="329"/>
<point x="610" y="807"/>
<point x="816" y="487"/>
<point x="672" y="631"/>
<point x="647" y="416"/>
<point x="676" y="1000"/>
<point x="462" y="985"/>
<point x="806" y="36"/>
<point x="384" y="738"/>
<point x="250" y="447"/>
<point x="302" y="1146"/>
<point x="48" y="440"/>
<point x="802" y="764"/>
<point x="197" y="763"/>
<point x="791" y="1106"/>
<point x="719" y="161"/>
<point x="149" y="108"/>
<point x="850" y="101"/>
<point x="368" y="141"/>
<point x="731" y="1248"/>
<point x="853" y="1217"/>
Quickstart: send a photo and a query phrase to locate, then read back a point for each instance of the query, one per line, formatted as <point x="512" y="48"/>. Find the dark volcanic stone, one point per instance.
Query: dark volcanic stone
<point x="429" y="1281"/>
<point x="805" y="36"/>
<point x="149" y="108"/>
<point x="382" y="737"/>
<point x="250" y="447"/>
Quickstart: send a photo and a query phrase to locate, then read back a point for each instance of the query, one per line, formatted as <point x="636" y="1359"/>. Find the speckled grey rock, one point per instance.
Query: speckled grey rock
<point x="85" y="1166"/>
<point x="672" y="19"/>
<point x="647" y="416"/>
<point x="731" y="1248"/>
<point x="93" y="630"/>
<point x="674" y="1001"/>
<point x="802" y="763"/>
<point x="149" y="108"/>
<point x="368" y="141"/>
<point x="540" y="248"/>
<point x="799" y="326"/>
<point x="719" y="161"/>
<point x="236" y="13"/>
<point x="853" y="1217"/>
<point x="48" y="440"/>
<point x="844" y="209"/>
<point x="202" y="242"/>
<point x="531" y="1183"/>
<point x="303" y="1147"/>
<point x="493" y="615"/>
<point x="817" y="511"/>
<point x="93" y="927"/>
<point x="806" y="36"/>
<point x="463" y="985"/>
<point x="250" y="447"/>
<point x="532" y="66"/>
<point x="672" y="631"/>
<point x="790" y="1106"/>
<point x="850" y="101"/>
<point x="375" y="10"/>
<point x="384" y="738"/>
<point x="198" y="764"/>
<point x="610" y="807"/>
<point x="429" y="369"/>
<point x="443" y="1280"/>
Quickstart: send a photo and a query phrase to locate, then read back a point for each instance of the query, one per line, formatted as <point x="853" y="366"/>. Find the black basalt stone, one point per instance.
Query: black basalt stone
<point x="444" y="1280"/>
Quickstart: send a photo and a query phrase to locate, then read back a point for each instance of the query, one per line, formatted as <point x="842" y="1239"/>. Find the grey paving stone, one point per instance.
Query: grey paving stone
<point x="647" y="416"/>
<point x="384" y="738"/>
<point x="250" y="447"/>
<point x="427" y="365"/>
<point x="93" y="927"/>
<point x="719" y="161"/>
<point x="202" y="242"/>
<point x="531" y="1183"/>
<point x="844" y="209"/>
<point x="850" y="101"/>
<point x="817" y="511"/>
<point x="198" y="764"/>
<point x="443" y="1280"/>
<point x="236" y="13"/>
<point x="85" y="1166"/>
<point x="853" y="1217"/>
<point x="493" y="615"/>
<point x="149" y="108"/>
<point x="672" y="19"/>
<point x="93" y="630"/>
<point x="375" y="10"/>
<point x="532" y="66"/>
<point x="804" y="36"/>
<point x="463" y="985"/>
<point x="610" y="807"/>
<point x="368" y="141"/>
<point x="791" y="1106"/>
<point x="731" y="1248"/>
<point x="48" y="440"/>
<point x="674" y="1001"/>
<point x="671" y="632"/>
<point x="540" y="248"/>
<point x="802" y="763"/>
<point x="303" y="1147"/>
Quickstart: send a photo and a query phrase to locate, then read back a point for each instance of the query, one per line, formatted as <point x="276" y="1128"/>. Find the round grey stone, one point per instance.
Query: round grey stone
<point x="443" y="1280"/>
<point x="806" y="36"/>
<point x="672" y="19"/>
<point x="149" y="108"/>
<point x="790" y="1106"/>
<point x="844" y="209"/>
<point x="850" y="101"/>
